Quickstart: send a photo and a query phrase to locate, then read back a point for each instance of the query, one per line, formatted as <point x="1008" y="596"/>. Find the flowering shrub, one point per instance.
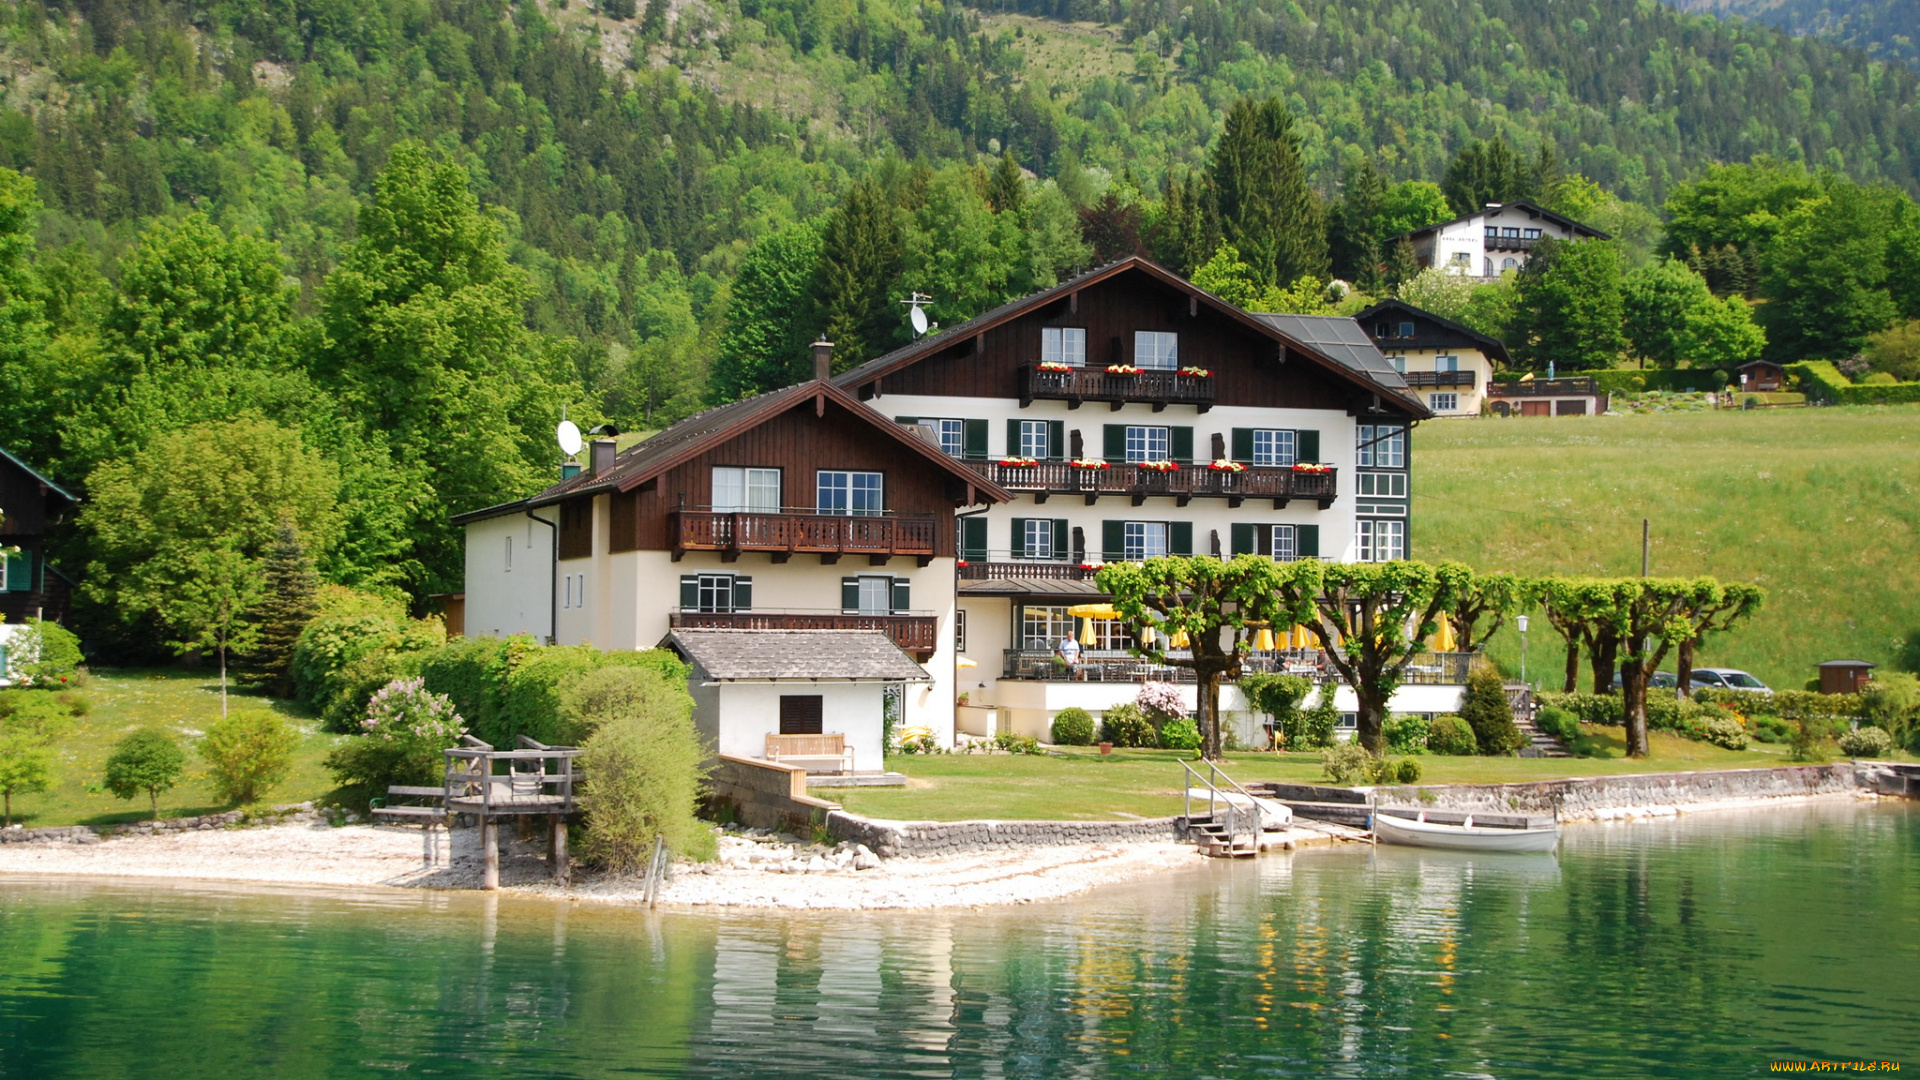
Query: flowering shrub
<point x="1161" y="701"/>
<point x="1719" y="730"/>
<point x="1159" y="466"/>
<point x="918" y="740"/>
<point x="1019" y="462"/>
<point x="1224" y="465"/>
<point x="400" y="740"/>
<point x="1311" y="468"/>
<point x="1122" y="369"/>
<point x="1866" y="741"/>
<point x="1090" y="463"/>
<point x="1196" y="372"/>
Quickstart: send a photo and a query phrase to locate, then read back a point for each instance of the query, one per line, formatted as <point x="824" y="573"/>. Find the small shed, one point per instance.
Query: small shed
<point x="1763" y="376"/>
<point x="1845" y="676"/>
<point x="813" y="698"/>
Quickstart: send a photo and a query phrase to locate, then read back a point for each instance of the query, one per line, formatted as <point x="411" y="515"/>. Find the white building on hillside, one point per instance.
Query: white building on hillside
<point x="1494" y="240"/>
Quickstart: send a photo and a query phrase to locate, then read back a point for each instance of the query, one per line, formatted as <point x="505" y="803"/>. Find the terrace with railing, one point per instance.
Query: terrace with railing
<point x="792" y="532"/>
<point x="1075" y="385"/>
<point x="1182" y="483"/>
<point x="1581" y="384"/>
<point x="1443" y="379"/>
<point x="1119" y="666"/>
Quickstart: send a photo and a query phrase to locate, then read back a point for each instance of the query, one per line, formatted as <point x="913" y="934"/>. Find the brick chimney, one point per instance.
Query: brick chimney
<point x="822" y="360"/>
<point x="602" y="459"/>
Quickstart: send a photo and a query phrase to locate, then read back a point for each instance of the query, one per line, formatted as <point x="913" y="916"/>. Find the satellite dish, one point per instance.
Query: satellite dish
<point x="569" y="435"/>
<point x="918" y="318"/>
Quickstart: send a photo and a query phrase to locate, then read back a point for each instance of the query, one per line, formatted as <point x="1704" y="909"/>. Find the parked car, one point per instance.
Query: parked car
<point x="1660" y="680"/>
<point x="1720" y="678"/>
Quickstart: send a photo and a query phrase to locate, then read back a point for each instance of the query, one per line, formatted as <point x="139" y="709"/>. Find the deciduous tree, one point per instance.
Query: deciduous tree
<point x="148" y="760"/>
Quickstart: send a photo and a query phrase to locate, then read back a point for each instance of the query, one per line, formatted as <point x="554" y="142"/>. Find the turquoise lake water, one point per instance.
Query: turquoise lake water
<point x="1706" y="946"/>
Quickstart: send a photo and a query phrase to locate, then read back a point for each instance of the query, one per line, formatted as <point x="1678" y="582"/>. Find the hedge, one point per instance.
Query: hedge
<point x="1621" y="380"/>
<point x="1824" y="384"/>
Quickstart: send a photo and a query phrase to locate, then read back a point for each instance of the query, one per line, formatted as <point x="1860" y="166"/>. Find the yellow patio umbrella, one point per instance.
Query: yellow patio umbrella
<point x="1179" y="640"/>
<point x="1146" y="635"/>
<point x="1263" y="641"/>
<point x="1094" y="611"/>
<point x="964" y="662"/>
<point x="1086" y="633"/>
<point x="1443" y="638"/>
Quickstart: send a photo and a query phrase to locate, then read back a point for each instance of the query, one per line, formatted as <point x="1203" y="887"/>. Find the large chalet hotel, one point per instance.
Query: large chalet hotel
<point x="959" y="493"/>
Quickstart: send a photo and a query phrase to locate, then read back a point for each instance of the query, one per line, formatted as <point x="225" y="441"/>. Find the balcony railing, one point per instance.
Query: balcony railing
<point x="1546" y="387"/>
<point x="1040" y="569"/>
<point x="915" y="633"/>
<point x="1117" y="666"/>
<point x="1045" y="478"/>
<point x="1157" y="388"/>
<point x="1443" y="379"/>
<point x="827" y="535"/>
<point x="1511" y="243"/>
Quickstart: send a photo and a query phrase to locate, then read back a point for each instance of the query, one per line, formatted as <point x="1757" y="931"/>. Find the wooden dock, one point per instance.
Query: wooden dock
<point x="534" y="779"/>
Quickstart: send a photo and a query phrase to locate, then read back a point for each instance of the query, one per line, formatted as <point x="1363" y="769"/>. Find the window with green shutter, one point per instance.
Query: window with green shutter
<point x="1180" y="538"/>
<point x="974" y="438"/>
<point x="1113" y="540"/>
<point x="1056" y="440"/>
<point x="1181" y="439"/>
<point x="973" y="539"/>
<point x="1243" y="540"/>
<point x="1306" y="541"/>
<point x="1306" y="445"/>
<point x="1113" y="442"/>
<point x="19" y="571"/>
<point x="1241" y="446"/>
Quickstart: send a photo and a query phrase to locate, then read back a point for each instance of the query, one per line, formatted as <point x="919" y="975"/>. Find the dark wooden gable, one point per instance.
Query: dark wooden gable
<point x="1384" y="323"/>
<point x="1246" y="362"/>
<point x="816" y="433"/>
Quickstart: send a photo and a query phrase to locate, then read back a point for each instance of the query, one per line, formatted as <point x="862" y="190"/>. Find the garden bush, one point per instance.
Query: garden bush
<point x="1487" y="711"/>
<point x="1073" y="727"/>
<point x="1407" y="771"/>
<point x="1557" y="722"/>
<point x="1892" y="702"/>
<point x="1347" y="763"/>
<point x="1867" y="741"/>
<point x="472" y="672"/>
<point x="1162" y="702"/>
<point x="1772" y="729"/>
<point x="401" y="740"/>
<point x="1406" y="734"/>
<point x="1604" y="710"/>
<point x="1180" y="734"/>
<point x="148" y="760"/>
<point x="644" y="770"/>
<point x="1450" y="735"/>
<point x="1719" y="730"/>
<point x="248" y="753"/>
<point x="1128" y="726"/>
<point x="348" y="626"/>
<point x="590" y="698"/>
<point x="354" y="685"/>
<point x="1009" y="743"/>
<point x="1318" y="723"/>
<point x="1279" y="696"/>
<point x="45" y="654"/>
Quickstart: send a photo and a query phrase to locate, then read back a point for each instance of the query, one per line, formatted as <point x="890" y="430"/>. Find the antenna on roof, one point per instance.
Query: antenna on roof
<point x="916" y="313"/>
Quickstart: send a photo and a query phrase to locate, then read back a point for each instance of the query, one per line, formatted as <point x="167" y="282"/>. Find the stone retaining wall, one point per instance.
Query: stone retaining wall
<point x="766" y="795"/>
<point x="1607" y="796"/>
<point x="91" y="834"/>
<point x="891" y="838"/>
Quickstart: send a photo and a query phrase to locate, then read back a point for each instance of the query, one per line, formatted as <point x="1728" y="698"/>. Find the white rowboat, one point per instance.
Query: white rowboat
<point x="1463" y="837"/>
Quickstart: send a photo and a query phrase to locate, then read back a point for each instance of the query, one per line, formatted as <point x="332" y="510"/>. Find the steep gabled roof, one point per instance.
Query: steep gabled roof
<point x="1344" y="367"/>
<point x="1531" y="209"/>
<point x="690" y="437"/>
<point x="809" y="655"/>
<point x="1493" y="347"/>
<point x="38" y="476"/>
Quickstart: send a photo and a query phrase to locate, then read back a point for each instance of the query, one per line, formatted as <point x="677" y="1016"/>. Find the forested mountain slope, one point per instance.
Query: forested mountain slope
<point x="1885" y="29"/>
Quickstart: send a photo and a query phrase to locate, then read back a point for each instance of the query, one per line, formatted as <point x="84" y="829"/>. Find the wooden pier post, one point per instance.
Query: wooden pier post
<point x="490" y="843"/>
<point x="558" y="852"/>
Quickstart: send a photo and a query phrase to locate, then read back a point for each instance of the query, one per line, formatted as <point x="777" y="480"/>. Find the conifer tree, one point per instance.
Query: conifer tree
<point x="1007" y="188"/>
<point x="1490" y="172"/>
<point x="1259" y="189"/>
<point x="285" y="608"/>
<point x="860" y="258"/>
<point x="1356" y="231"/>
<point x="1405" y="264"/>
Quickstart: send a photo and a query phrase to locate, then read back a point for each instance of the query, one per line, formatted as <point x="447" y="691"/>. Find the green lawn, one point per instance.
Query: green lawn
<point x="182" y="703"/>
<point x="1820" y="506"/>
<point x="1078" y="784"/>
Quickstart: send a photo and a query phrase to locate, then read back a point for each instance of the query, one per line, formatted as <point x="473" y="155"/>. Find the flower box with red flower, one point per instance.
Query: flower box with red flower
<point x="1122" y="369"/>
<point x="1196" y="373"/>
<point x="1090" y="463"/>
<point x="1224" y="465"/>
<point x="1159" y="466"/>
<point x="1019" y="462"/>
<point x="1055" y="366"/>
<point x="1309" y="468"/>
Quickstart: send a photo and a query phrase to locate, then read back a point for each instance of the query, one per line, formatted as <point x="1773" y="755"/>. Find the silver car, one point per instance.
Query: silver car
<point x="1720" y="678"/>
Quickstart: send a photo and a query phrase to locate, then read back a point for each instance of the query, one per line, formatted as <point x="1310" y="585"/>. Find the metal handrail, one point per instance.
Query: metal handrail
<point x="1251" y="809"/>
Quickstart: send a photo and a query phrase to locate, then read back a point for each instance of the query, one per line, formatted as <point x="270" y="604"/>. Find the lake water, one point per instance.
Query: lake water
<point x="1700" y="947"/>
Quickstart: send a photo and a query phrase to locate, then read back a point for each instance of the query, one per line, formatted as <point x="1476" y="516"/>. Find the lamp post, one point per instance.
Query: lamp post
<point x="1521" y="621"/>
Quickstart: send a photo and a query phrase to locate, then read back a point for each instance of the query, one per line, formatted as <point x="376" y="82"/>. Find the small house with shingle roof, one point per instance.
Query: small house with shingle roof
<point x="30" y="506"/>
<point x="813" y="697"/>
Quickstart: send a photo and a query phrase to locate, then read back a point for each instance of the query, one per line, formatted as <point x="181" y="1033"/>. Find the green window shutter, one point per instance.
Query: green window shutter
<point x="849" y="594"/>
<point x="902" y="595"/>
<point x="1306" y="446"/>
<point x="1180" y="538"/>
<point x="1243" y="539"/>
<point x="1113" y="540"/>
<point x="906" y="419"/>
<point x="20" y="572"/>
<point x="1060" y="538"/>
<point x="973" y="438"/>
<point x="1013" y="438"/>
<point x="1242" y="444"/>
<point x="1306" y="541"/>
<point x="743" y="593"/>
<point x="689" y="592"/>
<point x="1056" y="440"/>
<point x="1113" y="444"/>
<point x="1018" y="544"/>
<point x="973" y="537"/>
<point x="1180" y="441"/>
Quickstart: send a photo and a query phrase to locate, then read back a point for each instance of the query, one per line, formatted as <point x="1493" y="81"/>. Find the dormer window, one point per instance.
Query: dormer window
<point x="1406" y="329"/>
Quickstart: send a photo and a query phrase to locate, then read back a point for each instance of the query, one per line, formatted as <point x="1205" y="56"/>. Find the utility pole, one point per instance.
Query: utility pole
<point x="1646" y="545"/>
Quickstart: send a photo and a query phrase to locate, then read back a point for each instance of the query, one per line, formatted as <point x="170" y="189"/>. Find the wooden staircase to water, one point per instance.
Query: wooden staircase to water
<point x="1539" y="743"/>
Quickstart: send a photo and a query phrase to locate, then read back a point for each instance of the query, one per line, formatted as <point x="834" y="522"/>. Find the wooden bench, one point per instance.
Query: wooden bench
<point x="429" y="815"/>
<point x="830" y="752"/>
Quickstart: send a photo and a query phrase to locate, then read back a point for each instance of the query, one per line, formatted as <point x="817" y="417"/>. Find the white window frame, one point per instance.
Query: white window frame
<point x="1389" y="453"/>
<point x="1156" y="350"/>
<point x="1280" y="449"/>
<point x="1034" y="439"/>
<point x="1383" y="485"/>
<point x="1147" y="442"/>
<point x="1037" y="540"/>
<point x="1042" y="625"/>
<point x="1063" y="345"/>
<point x="843" y="485"/>
<point x="1379" y="540"/>
<point x="1283" y="546"/>
<point x="715" y="594"/>
<point x="959" y="629"/>
<point x="746" y="490"/>
<point x="509" y="567"/>
<point x="1445" y="401"/>
<point x="952" y="434"/>
<point x="1140" y="540"/>
<point x="868" y="585"/>
<point x="1446" y="363"/>
<point x="1463" y="258"/>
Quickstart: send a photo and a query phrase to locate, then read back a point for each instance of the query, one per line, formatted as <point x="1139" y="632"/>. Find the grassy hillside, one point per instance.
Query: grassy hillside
<point x="1819" y="506"/>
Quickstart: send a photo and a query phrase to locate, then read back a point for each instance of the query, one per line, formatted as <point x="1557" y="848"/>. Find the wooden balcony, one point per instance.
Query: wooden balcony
<point x="1157" y="388"/>
<point x="1511" y="243"/>
<point x="1569" y="387"/>
<point x="1443" y="379"/>
<point x="1048" y="478"/>
<point x="916" y="634"/>
<point x="879" y="537"/>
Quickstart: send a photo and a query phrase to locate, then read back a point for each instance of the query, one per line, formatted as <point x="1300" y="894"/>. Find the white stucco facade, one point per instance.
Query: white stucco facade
<point x="1465" y="246"/>
<point x="510" y="577"/>
<point x="737" y="717"/>
<point x="1446" y="401"/>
